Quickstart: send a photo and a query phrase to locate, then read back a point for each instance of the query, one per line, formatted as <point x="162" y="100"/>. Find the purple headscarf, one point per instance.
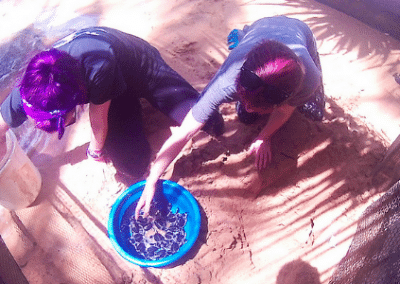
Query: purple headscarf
<point x="41" y="116"/>
<point x="51" y="87"/>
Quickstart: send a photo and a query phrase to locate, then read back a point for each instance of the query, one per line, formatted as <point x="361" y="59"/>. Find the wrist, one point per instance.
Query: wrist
<point x="151" y="183"/>
<point x="95" y="154"/>
<point x="263" y="138"/>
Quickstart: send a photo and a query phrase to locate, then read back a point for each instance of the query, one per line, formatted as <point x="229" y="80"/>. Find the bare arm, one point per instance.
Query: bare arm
<point x="278" y="117"/>
<point x="168" y="152"/>
<point x="99" y="123"/>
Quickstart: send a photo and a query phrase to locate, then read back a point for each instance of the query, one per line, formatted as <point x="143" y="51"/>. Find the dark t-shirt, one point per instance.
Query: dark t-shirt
<point x="292" y="32"/>
<point x="114" y="65"/>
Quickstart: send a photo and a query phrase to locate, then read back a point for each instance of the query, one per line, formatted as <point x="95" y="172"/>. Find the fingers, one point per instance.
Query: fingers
<point x="263" y="159"/>
<point x="139" y="207"/>
<point x="142" y="205"/>
<point x="263" y="155"/>
<point x="145" y="202"/>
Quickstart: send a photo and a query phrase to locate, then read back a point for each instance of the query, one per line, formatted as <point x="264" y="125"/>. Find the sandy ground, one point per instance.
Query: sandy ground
<point x="291" y="223"/>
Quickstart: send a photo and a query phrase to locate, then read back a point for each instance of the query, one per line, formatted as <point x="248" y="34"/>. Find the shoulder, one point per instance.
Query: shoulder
<point x="280" y="27"/>
<point x="90" y="42"/>
<point x="275" y="20"/>
<point x="12" y="110"/>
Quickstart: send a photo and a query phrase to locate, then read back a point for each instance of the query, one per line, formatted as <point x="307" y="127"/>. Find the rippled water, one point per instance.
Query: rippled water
<point x="158" y="235"/>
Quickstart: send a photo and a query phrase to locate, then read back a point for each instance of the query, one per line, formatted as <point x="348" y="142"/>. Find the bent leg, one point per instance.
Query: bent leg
<point x="174" y="97"/>
<point x="126" y="144"/>
<point x="314" y="108"/>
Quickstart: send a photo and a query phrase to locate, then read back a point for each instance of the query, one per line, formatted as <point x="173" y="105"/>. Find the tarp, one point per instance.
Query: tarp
<point x="384" y="15"/>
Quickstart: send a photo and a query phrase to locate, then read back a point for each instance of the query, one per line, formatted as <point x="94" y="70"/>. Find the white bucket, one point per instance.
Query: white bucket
<point x="20" y="180"/>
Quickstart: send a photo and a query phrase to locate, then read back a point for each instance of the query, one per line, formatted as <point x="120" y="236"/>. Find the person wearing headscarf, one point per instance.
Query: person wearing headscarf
<point x="273" y="68"/>
<point x="111" y="71"/>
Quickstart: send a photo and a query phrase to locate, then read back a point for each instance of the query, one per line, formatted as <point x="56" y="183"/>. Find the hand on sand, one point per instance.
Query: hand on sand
<point x="262" y="150"/>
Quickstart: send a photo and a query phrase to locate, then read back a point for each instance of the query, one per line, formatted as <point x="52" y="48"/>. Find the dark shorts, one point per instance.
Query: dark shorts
<point x="314" y="108"/>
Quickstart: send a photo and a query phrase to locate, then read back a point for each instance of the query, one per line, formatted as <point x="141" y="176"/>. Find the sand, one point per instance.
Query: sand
<point x="291" y="223"/>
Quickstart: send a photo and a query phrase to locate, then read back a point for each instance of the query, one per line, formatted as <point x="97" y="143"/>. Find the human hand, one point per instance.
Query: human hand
<point x="145" y="200"/>
<point x="262" y="150"/>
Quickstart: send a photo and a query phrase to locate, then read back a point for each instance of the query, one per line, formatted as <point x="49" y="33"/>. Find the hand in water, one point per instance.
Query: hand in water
<point x="145" y="200"/>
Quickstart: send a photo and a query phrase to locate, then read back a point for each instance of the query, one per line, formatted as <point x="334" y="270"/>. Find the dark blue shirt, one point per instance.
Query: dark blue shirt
<point x="115" y="64"/>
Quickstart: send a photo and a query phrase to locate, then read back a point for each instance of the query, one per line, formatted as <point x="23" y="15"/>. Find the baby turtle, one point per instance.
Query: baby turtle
<point x="159" y="235"/>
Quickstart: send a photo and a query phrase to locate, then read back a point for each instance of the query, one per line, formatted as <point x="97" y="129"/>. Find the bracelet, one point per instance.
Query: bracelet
<point x="94" y="154"/>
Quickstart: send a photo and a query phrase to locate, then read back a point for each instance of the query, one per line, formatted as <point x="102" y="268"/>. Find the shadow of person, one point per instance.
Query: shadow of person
<point x="126" y="144"/>
<point x="299" y="272"/>
<point x="297" y="135"/>
<point x="49" y="168"/>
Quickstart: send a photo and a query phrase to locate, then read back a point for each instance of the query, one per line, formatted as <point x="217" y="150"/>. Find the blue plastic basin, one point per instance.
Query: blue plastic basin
<point x="124" y="207"/>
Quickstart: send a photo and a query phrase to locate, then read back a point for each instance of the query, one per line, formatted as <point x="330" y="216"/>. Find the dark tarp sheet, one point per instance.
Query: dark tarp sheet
<point x="383" y="15"/>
